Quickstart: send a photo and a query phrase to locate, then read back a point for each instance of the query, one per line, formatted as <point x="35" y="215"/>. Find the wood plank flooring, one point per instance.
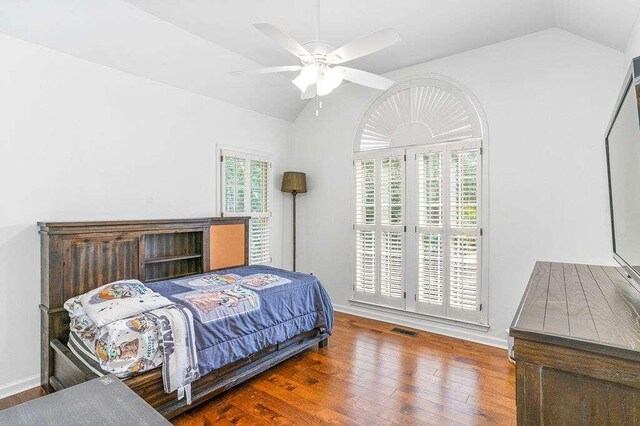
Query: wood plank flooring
<point x="21" y="397"/>
<point x="369" y="375"/>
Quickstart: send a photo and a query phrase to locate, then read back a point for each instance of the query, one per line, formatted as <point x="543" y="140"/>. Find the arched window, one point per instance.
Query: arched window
<point x="418" y="173"/>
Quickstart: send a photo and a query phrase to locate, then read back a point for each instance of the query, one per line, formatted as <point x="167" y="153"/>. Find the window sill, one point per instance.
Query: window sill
<point x="418" y="315"/>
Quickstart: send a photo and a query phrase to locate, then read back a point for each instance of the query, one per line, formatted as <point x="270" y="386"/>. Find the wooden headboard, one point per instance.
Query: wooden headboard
<point x="79" y="256"/>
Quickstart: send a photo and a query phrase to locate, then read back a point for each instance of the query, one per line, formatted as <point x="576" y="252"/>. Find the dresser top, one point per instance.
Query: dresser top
<point x="105" y="400"/>
<point x="595" y="308"/>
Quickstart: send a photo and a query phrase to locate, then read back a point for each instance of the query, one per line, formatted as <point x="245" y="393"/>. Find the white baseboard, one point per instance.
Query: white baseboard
<point x="18" y="386"/>
<point x="426" y="325"/>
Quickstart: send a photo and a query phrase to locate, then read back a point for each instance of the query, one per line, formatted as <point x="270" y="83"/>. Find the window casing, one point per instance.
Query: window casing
<point x="246" y="191"/>
<point x="436" y="126"/>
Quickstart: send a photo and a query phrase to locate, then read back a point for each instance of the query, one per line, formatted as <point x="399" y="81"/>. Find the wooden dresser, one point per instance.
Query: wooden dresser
<point x="577" y="347"/>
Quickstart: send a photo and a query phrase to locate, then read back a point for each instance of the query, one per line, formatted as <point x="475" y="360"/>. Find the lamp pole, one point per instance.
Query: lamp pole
<point x="294" y="193"/>
<point x="294" y="183"/>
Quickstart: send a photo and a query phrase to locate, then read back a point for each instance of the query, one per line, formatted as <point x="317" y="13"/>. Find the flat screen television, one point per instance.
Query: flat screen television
<point x="623" y="165"/>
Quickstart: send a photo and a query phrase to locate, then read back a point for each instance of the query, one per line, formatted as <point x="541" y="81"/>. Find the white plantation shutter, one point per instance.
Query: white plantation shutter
<point x="464" y="183"/>
<point x="246" y="191"/>
<point x="234" y="184"/>
<point x="418" y="112"/>
<point x="464" y="187"/>
<point x="391" y="190"/>
<point x="259" y="186"/>
<point x="418" y="222"/>
<point x="437" y="193"/>
<point x="431" y="228"/>
<point x="380" y="228"/>
<point x="463" y="277"/>
<point x="366" y="262"/>
<point x="366" y="279"/>
<point x="392" y="230"/>
<point x="448" y="231"/>
<point x="431" y="269"/>
<point x="392" y="264"/>
<point x="259" y="249"/>
<point x="365" y="191"/>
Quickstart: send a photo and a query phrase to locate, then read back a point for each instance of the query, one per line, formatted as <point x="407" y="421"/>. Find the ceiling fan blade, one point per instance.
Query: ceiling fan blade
<point x="365" y="78"/>
<point x="364" y="46"/>
<point x="282" y="39"/>
<point x="309" y="93"/>
<point x="268" y="70"/>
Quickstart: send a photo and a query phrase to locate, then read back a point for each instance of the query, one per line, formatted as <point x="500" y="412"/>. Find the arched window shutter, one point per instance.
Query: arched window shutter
<point x="418" y="187"/>
<point x="418" y="112"/>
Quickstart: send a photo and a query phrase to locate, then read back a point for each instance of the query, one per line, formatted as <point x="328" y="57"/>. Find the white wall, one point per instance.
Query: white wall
<point x="79" y="141"/>
<point x="547" y="97"/>
<point x="633" y="45"/>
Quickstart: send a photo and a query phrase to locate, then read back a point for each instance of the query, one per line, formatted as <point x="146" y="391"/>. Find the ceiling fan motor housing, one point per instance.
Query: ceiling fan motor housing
<point x="319" y="50"/>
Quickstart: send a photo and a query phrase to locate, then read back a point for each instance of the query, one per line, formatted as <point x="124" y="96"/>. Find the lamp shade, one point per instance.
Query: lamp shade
<point x="294" y="182"/>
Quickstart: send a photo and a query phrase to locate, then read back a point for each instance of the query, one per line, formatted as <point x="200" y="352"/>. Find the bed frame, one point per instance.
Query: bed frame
<point x="79" y="256"/>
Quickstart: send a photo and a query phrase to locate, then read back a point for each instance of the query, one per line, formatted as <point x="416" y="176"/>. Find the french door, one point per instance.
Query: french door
<point x="418" y="230"/>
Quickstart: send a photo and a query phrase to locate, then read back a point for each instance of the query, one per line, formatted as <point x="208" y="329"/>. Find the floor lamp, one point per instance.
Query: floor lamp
<point x="294" y="183"/>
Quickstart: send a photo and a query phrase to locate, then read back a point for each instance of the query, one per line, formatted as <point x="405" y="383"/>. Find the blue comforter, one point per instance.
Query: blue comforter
<point x="239" y="311"/>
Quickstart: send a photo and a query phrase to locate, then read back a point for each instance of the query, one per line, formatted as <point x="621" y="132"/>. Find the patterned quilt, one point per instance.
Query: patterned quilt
<point x="239" y="311"/>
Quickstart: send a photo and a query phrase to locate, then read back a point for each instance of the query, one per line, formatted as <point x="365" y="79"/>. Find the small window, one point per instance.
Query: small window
<point x="246" y="191"/>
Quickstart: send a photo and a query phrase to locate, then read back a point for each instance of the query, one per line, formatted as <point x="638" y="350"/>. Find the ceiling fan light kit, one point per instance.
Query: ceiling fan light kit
<point x="320" y="73"/>
<point x="326" y="79"/>
<point x="309" y="75"/>
<point x="332" y="78"/>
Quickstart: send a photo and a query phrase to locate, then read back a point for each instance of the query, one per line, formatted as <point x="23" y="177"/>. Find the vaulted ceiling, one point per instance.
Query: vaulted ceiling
<point x="193" y="44"/>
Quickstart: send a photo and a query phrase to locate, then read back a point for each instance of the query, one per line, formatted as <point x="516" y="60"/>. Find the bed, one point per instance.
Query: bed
<point x="246" y="318"/>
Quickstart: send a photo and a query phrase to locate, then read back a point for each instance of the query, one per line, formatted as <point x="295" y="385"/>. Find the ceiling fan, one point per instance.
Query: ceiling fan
<point x="320" y="71"/>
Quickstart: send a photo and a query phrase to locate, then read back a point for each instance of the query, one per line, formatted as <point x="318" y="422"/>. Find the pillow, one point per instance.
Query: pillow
<point x="115" y="301"/>
<point x="81" y="324"/>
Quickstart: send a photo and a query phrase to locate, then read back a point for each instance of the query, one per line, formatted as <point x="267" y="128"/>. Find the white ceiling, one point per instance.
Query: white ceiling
<point x="430" y="28"/>
<point x="608" y="22"/>
<point x="193" y="44"/>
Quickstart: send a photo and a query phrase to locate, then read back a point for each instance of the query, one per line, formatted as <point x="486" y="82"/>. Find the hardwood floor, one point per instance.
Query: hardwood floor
<point x="21" y="397"/>
<point x="369" y="375"/>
